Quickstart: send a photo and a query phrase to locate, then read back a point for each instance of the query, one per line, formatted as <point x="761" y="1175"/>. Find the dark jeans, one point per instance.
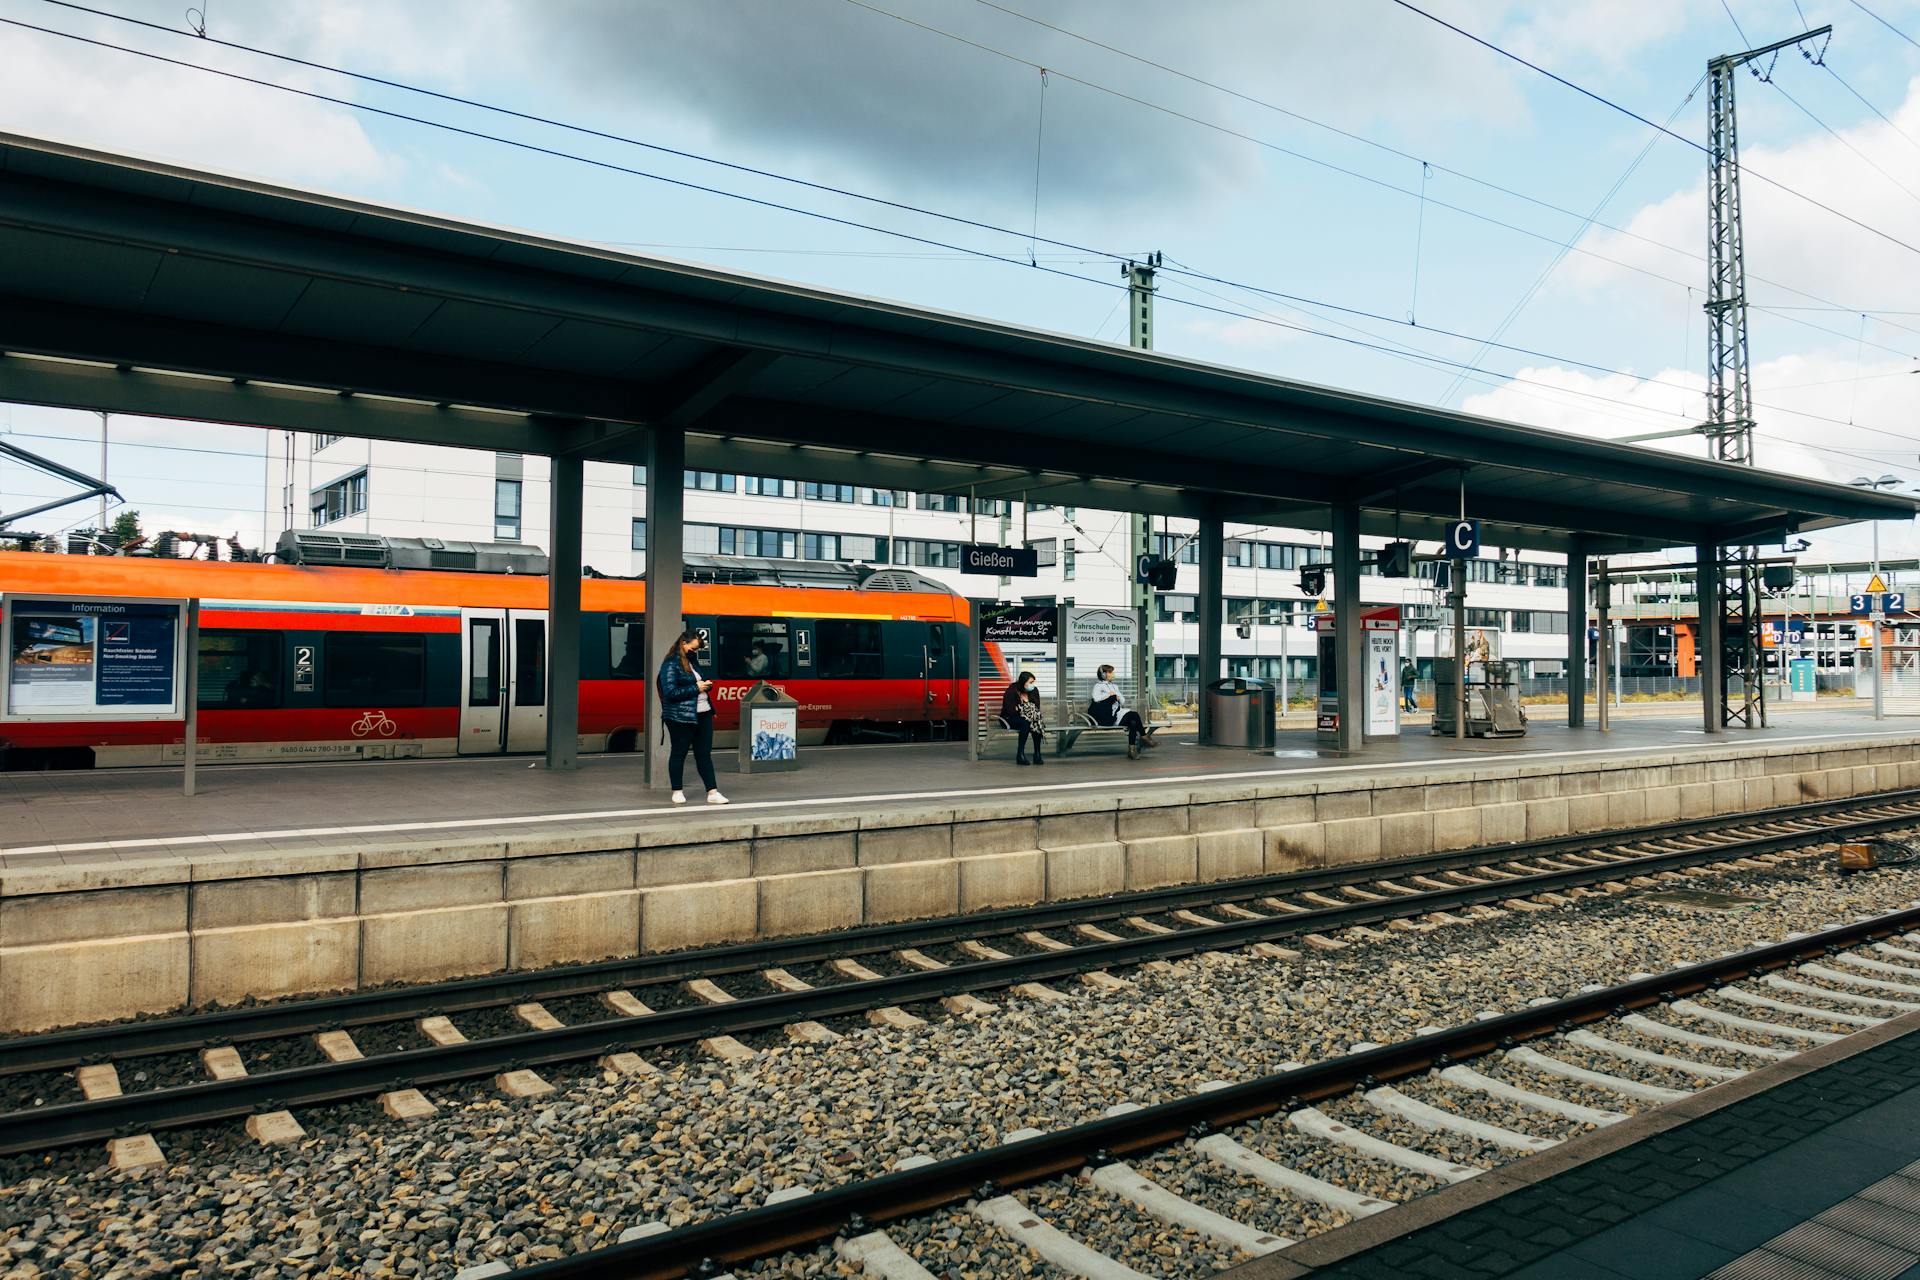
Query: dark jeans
<point x="1134" y="726"/>
<point x="699" y="737"/>
<point x="1020" y="752"/>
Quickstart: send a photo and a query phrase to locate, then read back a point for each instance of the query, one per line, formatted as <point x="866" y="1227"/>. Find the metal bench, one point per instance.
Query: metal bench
<point x="1079" y="724"/>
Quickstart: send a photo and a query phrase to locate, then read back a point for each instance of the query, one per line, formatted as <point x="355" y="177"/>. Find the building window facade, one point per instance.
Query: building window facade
<point x="506" y="510"/>
<point x="639" y="535"/>
<point x="345" y="497"/>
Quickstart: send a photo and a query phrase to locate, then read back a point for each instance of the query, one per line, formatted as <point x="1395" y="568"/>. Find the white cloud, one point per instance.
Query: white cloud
<point x="1859" y="425"/>
<point x="1610" y="31"/>
<point x="115" y="101"/>
<point x="1789" y="239"/>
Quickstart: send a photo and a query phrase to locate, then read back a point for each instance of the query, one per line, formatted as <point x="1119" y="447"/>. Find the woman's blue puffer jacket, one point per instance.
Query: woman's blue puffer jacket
<point x="679" y="692"/>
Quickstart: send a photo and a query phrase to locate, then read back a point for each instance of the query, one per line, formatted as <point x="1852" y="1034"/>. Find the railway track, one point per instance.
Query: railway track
<point x="750" y="988"/>
<point x="1701" y="1024"/>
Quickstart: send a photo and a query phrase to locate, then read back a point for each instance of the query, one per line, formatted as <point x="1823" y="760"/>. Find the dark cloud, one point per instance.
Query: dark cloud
<point x="832" y="88"/>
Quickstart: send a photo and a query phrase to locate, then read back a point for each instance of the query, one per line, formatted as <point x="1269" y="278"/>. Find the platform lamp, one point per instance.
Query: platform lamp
<point x="1873" y="615"/>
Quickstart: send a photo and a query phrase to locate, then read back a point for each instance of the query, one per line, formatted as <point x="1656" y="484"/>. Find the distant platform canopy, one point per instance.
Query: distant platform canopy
<point x="140" y="287"/>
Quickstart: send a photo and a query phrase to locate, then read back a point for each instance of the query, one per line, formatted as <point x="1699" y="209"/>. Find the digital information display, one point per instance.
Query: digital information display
<point x="93" y="659"/>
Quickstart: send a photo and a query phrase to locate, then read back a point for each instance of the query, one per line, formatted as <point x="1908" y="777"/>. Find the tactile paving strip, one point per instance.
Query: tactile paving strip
<point x="1872" y="1235"/>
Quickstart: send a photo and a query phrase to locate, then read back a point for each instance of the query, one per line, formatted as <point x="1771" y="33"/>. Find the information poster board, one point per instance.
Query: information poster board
<point x="1383" y="684"/>
<point x="93" y="659"/>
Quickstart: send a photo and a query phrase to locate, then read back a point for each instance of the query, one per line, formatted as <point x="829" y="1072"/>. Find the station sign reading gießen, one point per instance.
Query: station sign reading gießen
<point x="1004" y="562"/>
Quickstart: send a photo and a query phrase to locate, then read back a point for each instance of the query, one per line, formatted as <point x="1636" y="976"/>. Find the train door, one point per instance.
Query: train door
<point x="483" y="713"/>
<point x="503" y="669"/>
<point x="527" y="680"/>
<point x="940" y="665"/>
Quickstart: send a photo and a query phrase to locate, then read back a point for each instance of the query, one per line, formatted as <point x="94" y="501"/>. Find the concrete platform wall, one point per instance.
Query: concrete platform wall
<point x="111" y="940"/>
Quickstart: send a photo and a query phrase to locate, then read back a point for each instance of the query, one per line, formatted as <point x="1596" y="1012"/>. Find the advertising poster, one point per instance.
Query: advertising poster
<point x="1020" y="623"/>
<point x="776" y="733"/>
<point x="51" y="664"/>
<point x="73" y="658"/>
<point x="1100" y="626"/>
<point x="1383" y="684"/>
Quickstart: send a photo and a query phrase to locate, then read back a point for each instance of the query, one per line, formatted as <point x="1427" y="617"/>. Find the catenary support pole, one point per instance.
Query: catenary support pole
<point x="1213" y="553"/>
<point x="976" y="721"/>
<point x="1603" y="673"/>
<point x="1457" y="606"/>
<point x="565" y="488"/>
<point x="1709" y="645"/>
<point x="666" y="509"/>
<point x="1577" y="634"/>
<point x="1350" y="644"/>
<point x="191" y="728"/>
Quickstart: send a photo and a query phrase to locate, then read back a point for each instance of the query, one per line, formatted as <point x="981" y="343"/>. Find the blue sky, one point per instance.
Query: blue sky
<point x="938" y="103"/>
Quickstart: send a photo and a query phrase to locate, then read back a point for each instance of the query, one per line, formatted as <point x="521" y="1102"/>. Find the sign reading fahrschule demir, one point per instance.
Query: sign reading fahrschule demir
<point x="1003" y="562"/>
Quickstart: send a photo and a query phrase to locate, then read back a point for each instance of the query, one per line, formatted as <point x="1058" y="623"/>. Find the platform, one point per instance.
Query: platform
<point x="1807" y="1169"/>
<point x="120" y="896"/>
<point x="120" y="815"/>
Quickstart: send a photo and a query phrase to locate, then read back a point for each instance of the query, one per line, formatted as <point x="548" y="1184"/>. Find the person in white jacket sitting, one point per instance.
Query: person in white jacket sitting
<point x="1108" y="707"/>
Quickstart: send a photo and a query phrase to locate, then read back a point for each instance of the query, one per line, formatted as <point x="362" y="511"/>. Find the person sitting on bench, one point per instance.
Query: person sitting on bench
<point x="1109" y="710"/>
<point x="1020" y="712"/>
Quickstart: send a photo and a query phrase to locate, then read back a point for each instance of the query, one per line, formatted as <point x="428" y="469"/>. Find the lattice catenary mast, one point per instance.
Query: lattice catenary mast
<point x="1729" y="425"/>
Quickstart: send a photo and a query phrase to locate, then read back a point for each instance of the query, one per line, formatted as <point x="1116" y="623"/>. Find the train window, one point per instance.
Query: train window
<point x="239" y="670"/>
<point x="375" y="669"/>
<point x="483" y="663"/>
<point x="529" y="662"/>
<point x="753" y="649"/>
<point x="626" y="646"/>
<point x="846" y="649"/>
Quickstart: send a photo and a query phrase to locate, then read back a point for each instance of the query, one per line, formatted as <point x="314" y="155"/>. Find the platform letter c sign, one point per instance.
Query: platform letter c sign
<point x="1463" y="539"/>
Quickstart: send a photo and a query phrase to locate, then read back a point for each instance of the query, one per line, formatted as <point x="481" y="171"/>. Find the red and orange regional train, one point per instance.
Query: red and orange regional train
<point x="313" y="662"/>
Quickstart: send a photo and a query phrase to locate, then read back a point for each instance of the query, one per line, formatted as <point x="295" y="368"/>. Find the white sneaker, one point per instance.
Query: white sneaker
<point x="679" y="797"/>
<point x="714" y="797"/>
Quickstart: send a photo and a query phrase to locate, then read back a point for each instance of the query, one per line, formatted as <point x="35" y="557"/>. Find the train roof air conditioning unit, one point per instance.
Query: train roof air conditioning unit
<point x="310" y="546"/>
<point x="372" y="551"/>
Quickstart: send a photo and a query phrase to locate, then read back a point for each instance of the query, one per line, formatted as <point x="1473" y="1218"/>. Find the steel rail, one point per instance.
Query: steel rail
<point x="863" y="1206"/>
<point x="59" y="1050"/>
<point x="180" y="1106"/>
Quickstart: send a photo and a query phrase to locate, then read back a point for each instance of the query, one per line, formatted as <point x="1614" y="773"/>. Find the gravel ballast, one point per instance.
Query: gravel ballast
<point x="522" y="1181"/>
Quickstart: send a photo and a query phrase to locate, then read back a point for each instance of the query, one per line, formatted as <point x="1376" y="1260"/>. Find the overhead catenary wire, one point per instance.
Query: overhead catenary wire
<point x="884" y="202"/>
<point x="1883" y="22"/>
<point x="1586" y="220"/>
<point x="1630" y="113"/>
<point x="1513" y="313"/>
<point x="834" y="219"/>
<point x="925" y="241"/>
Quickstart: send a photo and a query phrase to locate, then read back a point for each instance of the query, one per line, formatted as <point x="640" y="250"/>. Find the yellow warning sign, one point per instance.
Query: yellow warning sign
<point x="1876" y="586"/>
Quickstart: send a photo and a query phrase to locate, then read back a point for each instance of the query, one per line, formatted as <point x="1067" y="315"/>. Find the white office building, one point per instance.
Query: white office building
<point x="407" y="490"/>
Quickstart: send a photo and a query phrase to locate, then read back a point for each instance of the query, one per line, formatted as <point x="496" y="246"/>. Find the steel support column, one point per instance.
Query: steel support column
<point x="1213" y="552"/>
<point x="565" y="490"/>
<point x="1350" y="644"/>
<point x="666" y="509"/>
<point x="1709" y="641"/>
<point x="1577" y="635"/>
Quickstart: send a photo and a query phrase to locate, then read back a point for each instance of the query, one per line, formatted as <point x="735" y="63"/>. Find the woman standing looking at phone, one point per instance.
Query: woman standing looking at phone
<point x="686" y="709"/>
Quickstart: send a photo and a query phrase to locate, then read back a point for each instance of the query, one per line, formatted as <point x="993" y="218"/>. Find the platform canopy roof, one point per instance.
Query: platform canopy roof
<point x="140" y="287"/>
